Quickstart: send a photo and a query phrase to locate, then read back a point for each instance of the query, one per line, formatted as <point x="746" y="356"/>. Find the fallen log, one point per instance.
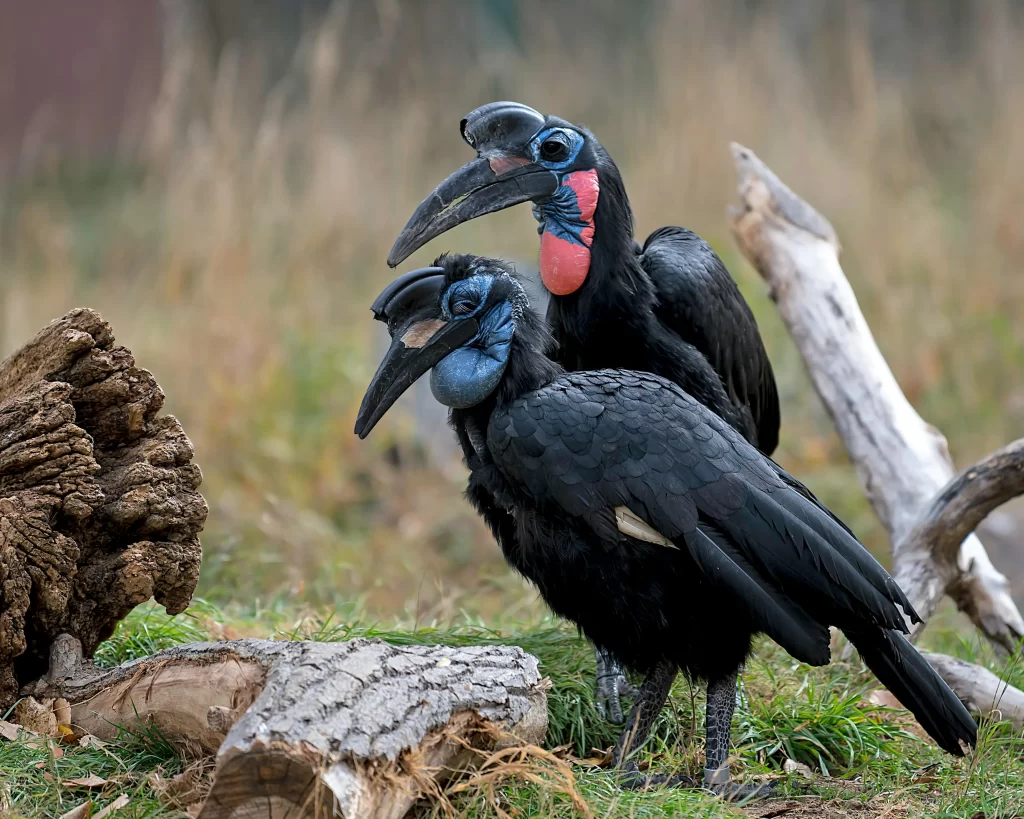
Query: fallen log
<point x="356" y="729"/>
<point x="99" y="508"/>
<point x="903" y="462"/>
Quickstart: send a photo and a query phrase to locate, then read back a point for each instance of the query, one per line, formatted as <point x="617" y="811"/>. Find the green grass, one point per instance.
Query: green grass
<point x="33" y="779"/>
<point x="863" y="758"/>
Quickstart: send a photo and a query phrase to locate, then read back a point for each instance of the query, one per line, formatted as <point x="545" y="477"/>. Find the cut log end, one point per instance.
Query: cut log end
<point x="99" y="508"/>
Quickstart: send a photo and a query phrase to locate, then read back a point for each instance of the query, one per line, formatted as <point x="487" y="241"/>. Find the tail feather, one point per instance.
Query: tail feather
<point x="901" y="669"/>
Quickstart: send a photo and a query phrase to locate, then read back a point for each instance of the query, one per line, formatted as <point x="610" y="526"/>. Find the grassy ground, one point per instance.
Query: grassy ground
<point x="866" y="761"/>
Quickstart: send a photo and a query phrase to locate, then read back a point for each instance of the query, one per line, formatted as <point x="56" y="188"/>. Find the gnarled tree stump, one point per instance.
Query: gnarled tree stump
<point x="99" y="508"/>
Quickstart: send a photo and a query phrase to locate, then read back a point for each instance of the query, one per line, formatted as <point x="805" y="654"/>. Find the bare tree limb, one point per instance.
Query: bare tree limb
<point x="903" y="462"/>
<point x="967" y="500"/>
<point x="931" y="548"/>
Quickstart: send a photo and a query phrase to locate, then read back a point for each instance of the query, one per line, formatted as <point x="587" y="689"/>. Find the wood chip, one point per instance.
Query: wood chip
<point x="117" y="804"/>
<point x="9" y="731"/>
<point x="62" y="710"/>
<point x="775" y="812"/>
<point x="36" y="715"/>
<point x="90" y="781"/>
<point x="80" y="812"/>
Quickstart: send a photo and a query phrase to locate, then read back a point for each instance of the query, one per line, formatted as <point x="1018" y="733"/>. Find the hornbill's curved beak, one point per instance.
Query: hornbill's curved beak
<point x="416" y="347"/>
<point x="489" y="183"/>
<point x="410" y="305"/>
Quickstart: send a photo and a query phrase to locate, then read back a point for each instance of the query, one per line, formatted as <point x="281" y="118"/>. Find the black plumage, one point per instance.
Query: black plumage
<point x="555" y="456"/>
<point x="669" y="307"/>
<point x="665" y="307"/>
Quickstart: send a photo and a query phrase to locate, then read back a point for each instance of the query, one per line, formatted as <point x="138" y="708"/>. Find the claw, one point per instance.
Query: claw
<point x="720" y="783"/>
<point x="611" y="686"/>
<point x="637" y="782"/>
<point x="631" y="779"/>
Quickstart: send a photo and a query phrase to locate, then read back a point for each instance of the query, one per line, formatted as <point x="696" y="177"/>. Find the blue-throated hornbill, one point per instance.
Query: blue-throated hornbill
<point x="617" y="485"/>
<point x="614" y="303"/>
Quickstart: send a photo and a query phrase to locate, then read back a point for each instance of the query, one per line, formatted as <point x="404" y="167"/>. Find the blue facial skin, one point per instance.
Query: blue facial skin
<point x="571" y="139"/>
<point x="559" y="214"/>
<point x="466" y="376"/>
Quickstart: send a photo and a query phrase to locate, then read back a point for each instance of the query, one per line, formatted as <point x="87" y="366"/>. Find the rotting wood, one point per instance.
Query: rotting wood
<point x="903" y="462"/>
<point x="99" y="508"/>
<point x="307" y="729"/>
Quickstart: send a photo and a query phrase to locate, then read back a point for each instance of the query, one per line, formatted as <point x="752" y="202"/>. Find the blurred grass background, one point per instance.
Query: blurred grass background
<point x="234" y="231"/>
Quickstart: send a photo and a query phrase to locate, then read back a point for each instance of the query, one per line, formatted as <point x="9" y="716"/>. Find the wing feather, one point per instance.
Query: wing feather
<point x="681" y="470"/>
<point x="698" y="299"/>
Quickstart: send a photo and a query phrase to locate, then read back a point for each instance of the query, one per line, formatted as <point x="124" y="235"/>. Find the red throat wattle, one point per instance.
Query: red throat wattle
<point x="565" y="252"/>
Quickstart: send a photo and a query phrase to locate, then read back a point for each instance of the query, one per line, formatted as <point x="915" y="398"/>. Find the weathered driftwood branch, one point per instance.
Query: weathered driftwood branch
<point x="929" y="552"/>
<point x="99" y="508"/>
<point x="363" y="728"/>
<point x="902" y="461"/>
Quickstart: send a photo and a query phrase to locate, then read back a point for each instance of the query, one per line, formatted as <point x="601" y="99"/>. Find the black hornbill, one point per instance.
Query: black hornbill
<point x="618" y="486"/>
<point x="657" y="308"/>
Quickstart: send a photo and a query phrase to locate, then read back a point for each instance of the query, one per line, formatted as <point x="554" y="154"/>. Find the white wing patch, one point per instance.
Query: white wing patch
<point x="636" y="527"/>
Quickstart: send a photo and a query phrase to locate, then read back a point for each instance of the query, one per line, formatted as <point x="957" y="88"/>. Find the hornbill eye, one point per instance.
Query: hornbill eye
<point x="554" y="148"/>
<point x="463" y="306"/>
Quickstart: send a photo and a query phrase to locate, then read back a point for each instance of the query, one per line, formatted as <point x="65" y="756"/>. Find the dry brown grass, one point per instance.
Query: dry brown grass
<point x="239" y="262"/>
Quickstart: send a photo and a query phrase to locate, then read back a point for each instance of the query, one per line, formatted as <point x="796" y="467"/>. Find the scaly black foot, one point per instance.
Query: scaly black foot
<point x="646" y="705"/>
<point x="718" y="783"/>
<point x="722" y="696"/>
<point x="611" y="686"/>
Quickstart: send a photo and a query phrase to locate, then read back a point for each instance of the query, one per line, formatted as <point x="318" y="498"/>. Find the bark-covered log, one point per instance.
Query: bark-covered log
<point x="99" y="508"/>
<point x="307" y="729"/>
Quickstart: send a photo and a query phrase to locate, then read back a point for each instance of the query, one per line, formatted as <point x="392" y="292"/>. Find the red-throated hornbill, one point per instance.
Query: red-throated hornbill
<point x="614" y="303"/>
<point x="618" y="486"/>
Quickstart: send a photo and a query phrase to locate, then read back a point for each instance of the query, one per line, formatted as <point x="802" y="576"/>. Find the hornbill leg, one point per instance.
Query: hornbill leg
<point x="611" y="685"/>
<point x="722" y="695"/>
<point x="646" y="707"/>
